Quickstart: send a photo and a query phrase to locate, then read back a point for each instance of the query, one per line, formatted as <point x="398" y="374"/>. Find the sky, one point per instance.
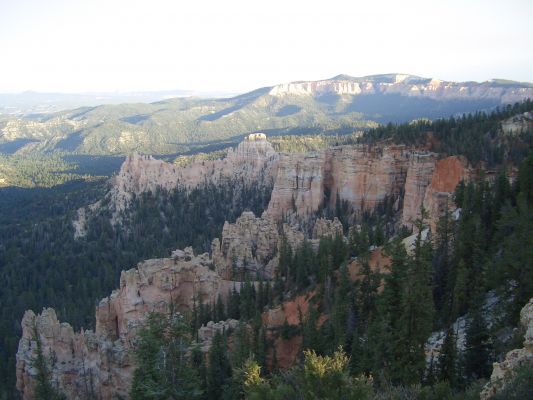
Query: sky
<point x="236" y="46"/>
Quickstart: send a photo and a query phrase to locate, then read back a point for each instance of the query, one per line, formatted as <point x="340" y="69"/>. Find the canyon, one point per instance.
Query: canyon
<point x="100" y="363"/>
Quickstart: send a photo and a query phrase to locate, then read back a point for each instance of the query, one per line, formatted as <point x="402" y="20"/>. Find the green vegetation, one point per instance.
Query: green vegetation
<point x="37" y="171"/>
<point x="180" y="125"/>
<point x="168" y="371"/>
<point x="42" y="264"/>
<point x="184" y="124"/>
<point x="361" y="339"/>
<point x="476" y="136"/>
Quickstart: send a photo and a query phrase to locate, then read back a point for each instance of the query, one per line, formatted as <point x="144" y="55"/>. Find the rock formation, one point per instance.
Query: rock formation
<point x="254" y="159"/>
<point x="304" y="183"/>
<point x="327" y="228"/>
<point x="518" y="124"/>
<point x="250" y="244"/>
<point x="100" y="364"/>
<point x="285" y="350"/>
<point x="430" y="183"/>
<point x="503" y="372"/>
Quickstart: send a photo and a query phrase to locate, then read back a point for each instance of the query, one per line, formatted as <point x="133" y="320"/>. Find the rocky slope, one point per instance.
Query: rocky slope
<point x="504" y="371"/>
<point x="251" y="244"/>
<point x="182" y="124"/>
<point x="100" y="364"/>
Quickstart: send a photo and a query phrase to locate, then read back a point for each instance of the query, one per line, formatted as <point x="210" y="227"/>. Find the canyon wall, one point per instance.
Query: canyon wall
<point x="304" y="183"/>
<point x="100" y="364"/>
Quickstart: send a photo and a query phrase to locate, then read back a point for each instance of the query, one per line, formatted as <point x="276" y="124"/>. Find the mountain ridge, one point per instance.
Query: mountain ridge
<point x="340" y="104"/>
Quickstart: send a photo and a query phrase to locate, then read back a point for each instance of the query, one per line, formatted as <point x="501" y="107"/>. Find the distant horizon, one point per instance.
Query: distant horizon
<point x="196" y="92"/>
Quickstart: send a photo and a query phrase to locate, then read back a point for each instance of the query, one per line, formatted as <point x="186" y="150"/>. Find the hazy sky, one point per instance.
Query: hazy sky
<point x="226" y="45"/>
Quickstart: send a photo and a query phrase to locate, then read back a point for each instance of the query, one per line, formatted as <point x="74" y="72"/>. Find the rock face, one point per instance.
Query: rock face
<point x="430" y="183"/>
<point x="503" y="372"/>
<point x="363" y="178"/>
<point x="327" y="228"/>
<point x="251" y="245"/>
<point x="253" y="159"/>
<point x="518" y="124"/>
<point x="447" y="174"/>
<point x="100" y="364"/>
<point x="299" y="185"/>
<point x="283" y="352"/>
<point x="248" y="245"/>
<point x="358" y="175"/>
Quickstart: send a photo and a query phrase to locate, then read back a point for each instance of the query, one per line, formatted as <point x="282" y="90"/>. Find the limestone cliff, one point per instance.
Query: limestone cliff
<point x="503" y="372"/>
<point x="100" y="364"/>
<point x="404" y="85"/>
<point x="363" y="177"/>
<point x="304" y="183"/>
<point x="358" y="175"/>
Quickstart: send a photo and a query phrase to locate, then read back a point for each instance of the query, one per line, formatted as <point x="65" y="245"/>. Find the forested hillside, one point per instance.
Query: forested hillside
<point x="366" y="332"/>
<point x="42" y="264"/>
<point x="341" y="104"/>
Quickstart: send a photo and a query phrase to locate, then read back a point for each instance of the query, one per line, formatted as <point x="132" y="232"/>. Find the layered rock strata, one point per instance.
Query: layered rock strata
<point x="248" y="245"/>
<point x="360" y="176"/>
<point x="404" y="85"/>
<point x="431" y="183"/>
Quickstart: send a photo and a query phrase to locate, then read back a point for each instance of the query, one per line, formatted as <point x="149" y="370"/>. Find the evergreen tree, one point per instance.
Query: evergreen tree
<point x="219" y="310"/>
<point x="416" y="318"/>
<point x="218" y="368"/>
<point x="164" y="368"/>
<point x="448" y="362"/>
<point x="341" y="307"/>
<point x="478" y="346"/>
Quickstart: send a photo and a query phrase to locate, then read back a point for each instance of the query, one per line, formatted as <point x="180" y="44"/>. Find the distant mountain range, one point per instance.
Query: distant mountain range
<point x="342" y="103"/>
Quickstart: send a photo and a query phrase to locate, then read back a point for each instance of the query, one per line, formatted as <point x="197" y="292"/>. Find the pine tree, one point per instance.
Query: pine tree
<point x="385" y="328"/>
<point x="234" y="304"/>
<point x="219" y="310"/>
<point x="341" y="307"/>
<point x="442" y="263"/>
<point x="218" y="369"/>
<point x="367" y="294"/>
<point x="164" y="368"/>
<point x="416" y="317"/>
<point x="478" y="346"/>
<point x="447" y="363"/>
